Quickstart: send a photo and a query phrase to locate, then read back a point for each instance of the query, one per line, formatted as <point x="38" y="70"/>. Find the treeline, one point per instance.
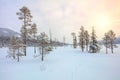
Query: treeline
<point x="90" y="42"/>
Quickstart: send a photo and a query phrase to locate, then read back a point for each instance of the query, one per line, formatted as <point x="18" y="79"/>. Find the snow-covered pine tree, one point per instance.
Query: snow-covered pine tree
<point x="82" y="38"/>
<point x="44" y="44"/>
<point x="112" y="37"/>
<point x="87" y="40"/>
<point x="94" y="47"/>
<point x="106" y="41"/>
<point x="25" y="16"/>
<point x="74" y="39"/>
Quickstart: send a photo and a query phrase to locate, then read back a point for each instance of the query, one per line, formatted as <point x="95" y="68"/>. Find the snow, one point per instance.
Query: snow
<point x="63" y="63"/>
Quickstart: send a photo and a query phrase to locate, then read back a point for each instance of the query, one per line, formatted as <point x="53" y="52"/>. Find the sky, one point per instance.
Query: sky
<point x="64" y="16"/>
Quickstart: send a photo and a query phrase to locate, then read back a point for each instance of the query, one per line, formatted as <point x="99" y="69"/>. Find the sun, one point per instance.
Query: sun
<point x="102" y="22"/>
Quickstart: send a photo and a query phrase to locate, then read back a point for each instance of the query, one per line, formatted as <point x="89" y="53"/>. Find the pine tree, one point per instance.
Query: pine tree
<point x="74" y="40"/>
<point x="44" y="44"/>
<point x="82" y="38"/>
<point x="112" y="37"/>
<point x="94" y="43"/>
<point x="25" y="16"/>
<point x="33" y="31"/>
<point x="86" y="39"/>
<point x="106" y="41"/>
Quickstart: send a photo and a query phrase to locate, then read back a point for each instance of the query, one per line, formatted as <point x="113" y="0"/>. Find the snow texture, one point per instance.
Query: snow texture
<point x="64" y="63"/>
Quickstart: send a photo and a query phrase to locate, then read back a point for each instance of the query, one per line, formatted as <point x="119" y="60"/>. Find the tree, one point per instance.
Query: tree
<point x="106" y="41"/>
<point x="33" y="31"/>
<point x="12" y="47"/>
<point x="86" y="34"/>
<point x="25" y="16"/>
<point x="64" y="39"/>
<point x="94" y="43"/>
<point x="44" y="44"/>
<point x="15" y="48"/>
<point x="112" y="37"/>
<point x="82" y="38"/>
<point x="74" y="40"/>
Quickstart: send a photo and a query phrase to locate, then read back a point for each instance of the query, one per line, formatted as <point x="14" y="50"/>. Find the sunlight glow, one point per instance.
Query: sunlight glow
<point x="103" y="22"/>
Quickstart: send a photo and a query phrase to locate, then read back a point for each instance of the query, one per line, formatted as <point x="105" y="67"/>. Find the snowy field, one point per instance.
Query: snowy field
<point x="64" y="63"/>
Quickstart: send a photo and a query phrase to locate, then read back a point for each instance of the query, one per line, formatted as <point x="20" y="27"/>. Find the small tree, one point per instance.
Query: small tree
<point x="112" y="37"/>
<point x="64" y="39"/>
<point x="74" y="40"/>
<point x="15" y="48"/>
<point x="86" y="34"/>
<point x="94" y="43"/>
<point x="25" y="16"/>
<point x="82" y="38"/>
<point x="44" y="44"/>
<point x="12" y="47"/>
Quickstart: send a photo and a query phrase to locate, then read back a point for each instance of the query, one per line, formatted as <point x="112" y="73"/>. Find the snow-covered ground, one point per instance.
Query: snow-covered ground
<point x="64" y="63"/>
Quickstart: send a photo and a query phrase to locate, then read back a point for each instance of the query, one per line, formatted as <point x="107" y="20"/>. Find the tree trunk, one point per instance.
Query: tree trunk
<point x="106" y="45"/>
<point x="42" y="54"/>
<point x="18" y="55"/>
<point x="87" y="48"/>
<point x="13" y="53"/>
<point x="25" y="35"/>
<point x="106" y="49"/>
<point x="112" y="47"/>
<point x="34" y="45"/>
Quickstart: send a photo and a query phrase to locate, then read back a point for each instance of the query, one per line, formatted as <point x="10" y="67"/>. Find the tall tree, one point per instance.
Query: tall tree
<point x="112" y="37"/>
<point x="82" y="38"/>
<point x="106" y="41"/>
<point x="74" y="39"/>
<point x="25" y="16"/>
<point x="86" y="39"/>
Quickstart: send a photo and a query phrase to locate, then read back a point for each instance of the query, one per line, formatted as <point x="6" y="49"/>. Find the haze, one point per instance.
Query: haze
<point x="64" y="16"/>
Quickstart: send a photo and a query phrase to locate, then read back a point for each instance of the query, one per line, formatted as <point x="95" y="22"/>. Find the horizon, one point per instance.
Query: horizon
<point x="68" y="15"/>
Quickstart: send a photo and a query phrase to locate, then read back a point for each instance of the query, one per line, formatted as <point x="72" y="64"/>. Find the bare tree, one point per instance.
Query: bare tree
<point x="25" y="16"/>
